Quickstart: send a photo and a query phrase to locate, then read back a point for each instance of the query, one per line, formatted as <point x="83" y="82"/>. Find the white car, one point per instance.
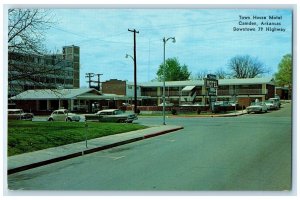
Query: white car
<point x="167" y="104"/>
<point x="63" y="115"/>
<point x="257" y="107"/>
<point x="272" y="105"/>
<point x="19" y="114"/>
<point x="277" y="101"/>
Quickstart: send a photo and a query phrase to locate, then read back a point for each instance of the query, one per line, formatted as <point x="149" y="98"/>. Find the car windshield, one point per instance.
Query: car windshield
<point x="256" y="104"/>
<point x="14" y="112"/>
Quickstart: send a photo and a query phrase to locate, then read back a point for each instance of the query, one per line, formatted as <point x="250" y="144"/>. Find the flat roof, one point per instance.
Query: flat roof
<point x="245" y="81"/>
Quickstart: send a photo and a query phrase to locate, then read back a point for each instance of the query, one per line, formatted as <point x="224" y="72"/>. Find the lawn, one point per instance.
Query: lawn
<point x="28" y="136"/>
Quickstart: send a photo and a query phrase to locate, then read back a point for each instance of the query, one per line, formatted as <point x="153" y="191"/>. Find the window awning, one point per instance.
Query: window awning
<point x="188" y="88"/>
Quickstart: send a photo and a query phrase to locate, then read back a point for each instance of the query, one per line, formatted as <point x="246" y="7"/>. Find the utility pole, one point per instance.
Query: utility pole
<point x="89" y="75"/>
<point x="134" y="60"/>
<point x="99" y="80"/>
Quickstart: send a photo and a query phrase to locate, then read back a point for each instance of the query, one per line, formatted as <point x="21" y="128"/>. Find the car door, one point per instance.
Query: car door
<point x="61" y="115"/>
<point x="103" y="116"/>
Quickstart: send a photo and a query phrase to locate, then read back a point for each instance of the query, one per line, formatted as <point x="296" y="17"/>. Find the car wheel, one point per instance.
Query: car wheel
<point x="68" y="119"/>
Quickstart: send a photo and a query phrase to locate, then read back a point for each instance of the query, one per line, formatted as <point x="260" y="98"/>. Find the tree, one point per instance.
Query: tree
<point x="173" y="71"/>
<point x="221" y="73"/>
<point x="201" y="75"/>
<point x="26" y="29"/>
<point x="284" y="75"/>
<point x="246" y="67"/>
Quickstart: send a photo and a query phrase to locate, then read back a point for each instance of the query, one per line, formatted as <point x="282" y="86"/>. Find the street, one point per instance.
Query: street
<point x="251" y="152"/>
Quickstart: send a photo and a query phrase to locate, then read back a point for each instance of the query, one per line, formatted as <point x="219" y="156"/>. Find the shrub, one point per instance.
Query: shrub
<point x="174" y="111"/>
<point x="138" y="111"/>
<point x="198" y="111"/>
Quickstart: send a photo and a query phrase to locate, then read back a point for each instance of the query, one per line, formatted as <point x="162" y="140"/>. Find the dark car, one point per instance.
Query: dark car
<point x="111" y="115"/>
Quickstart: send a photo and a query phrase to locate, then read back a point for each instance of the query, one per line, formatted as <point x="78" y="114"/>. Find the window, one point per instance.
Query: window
<point x="61" y="112"/>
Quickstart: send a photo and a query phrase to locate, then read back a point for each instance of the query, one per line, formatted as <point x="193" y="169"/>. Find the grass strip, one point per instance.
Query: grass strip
<point x="28" y="136"/>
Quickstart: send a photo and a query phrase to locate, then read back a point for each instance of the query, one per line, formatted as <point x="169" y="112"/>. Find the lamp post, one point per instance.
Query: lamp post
<point x="135" y="92"/>
<point x="164" y="78"/>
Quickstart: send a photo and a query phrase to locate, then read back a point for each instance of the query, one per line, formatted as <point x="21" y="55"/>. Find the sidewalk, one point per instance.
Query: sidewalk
<point x="47" y="156"/>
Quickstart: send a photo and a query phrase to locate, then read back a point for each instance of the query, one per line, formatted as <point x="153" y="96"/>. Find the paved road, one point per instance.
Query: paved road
<point x="250" y="152"/>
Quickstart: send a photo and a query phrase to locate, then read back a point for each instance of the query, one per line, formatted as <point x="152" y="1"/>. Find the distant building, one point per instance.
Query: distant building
<point x="72" y="54"/>
<point x="117" y="92"/>
<point x="29" y="71"/>
<point x="119" y="87"/>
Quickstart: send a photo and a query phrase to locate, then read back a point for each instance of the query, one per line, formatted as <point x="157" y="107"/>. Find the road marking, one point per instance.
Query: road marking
<point x="117" y="158"/>
<point x="112" y="157"/>
<point x="171" y="140"/>
<point x="168" y="140"/>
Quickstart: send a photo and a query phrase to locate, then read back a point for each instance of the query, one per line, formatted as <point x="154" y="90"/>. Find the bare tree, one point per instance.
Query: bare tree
<point x="246" y="67"/>
<point x="221" y="73"/>
<point x="201" y="75"/>
<point x="26" y="28"/>
<point x="29" y="64"/>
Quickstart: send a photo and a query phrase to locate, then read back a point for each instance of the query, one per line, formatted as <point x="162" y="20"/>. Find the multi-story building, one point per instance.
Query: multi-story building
<point x="193" y="92"/>
<point x="28" y="71"/>
<point x="72" y="54"/>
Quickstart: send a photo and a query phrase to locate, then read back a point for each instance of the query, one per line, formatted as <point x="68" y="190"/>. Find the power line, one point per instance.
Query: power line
<point x="185" y="25"/>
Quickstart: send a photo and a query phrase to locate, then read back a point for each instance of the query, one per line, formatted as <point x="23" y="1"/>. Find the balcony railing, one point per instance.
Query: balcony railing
<point x="240" y="92"/>
<point x="220" y="93"/>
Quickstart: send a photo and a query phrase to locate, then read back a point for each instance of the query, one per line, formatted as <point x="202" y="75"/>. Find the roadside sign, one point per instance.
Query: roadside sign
<point x="211" y="83"/>
<point x="212" y="92"/>
<point x="211" y="76"/>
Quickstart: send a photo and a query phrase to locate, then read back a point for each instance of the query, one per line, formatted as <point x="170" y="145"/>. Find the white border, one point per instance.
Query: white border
<point x="158" y="4"/>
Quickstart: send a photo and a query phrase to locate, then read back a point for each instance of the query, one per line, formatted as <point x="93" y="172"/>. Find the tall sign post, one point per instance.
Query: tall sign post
<point x="211" y="84"/>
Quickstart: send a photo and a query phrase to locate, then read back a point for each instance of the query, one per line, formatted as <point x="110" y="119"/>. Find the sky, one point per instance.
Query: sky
<point x="205" y="40"/>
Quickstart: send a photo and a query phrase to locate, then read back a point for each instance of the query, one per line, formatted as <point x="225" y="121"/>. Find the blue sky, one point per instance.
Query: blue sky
<point x="205" y="40"/>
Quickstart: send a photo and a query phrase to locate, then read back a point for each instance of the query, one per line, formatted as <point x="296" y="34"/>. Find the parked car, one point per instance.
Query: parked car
<point x="168" y="104"/>
<point x="271" y="104"/>
<point x="257" y="107"/>
<point x="19" y="114"/>
<point x="111" y="115"/>
<point x="277" y="101"/>
<point x="63" y="115"/>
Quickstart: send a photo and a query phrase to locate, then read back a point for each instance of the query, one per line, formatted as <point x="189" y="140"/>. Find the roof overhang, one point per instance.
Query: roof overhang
<point x="188" y="88"/>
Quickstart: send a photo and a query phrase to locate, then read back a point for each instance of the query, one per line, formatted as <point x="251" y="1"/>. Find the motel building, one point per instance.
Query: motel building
<point x="114" y="93"/>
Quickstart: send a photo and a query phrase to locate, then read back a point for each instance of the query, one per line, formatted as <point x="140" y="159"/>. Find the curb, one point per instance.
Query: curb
<point x="93" y="150"/>
<point x="208" y="116"/>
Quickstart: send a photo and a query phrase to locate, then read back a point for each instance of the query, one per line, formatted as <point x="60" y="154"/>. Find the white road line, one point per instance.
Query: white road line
<point x="112" y="157"/>
<point x="117" y="158"/>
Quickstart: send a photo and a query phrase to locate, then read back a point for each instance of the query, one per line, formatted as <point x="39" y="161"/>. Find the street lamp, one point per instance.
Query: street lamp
<point x="127" y="55"/>
<point x="135" y="92"/>
<point x="164" y="78"/>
